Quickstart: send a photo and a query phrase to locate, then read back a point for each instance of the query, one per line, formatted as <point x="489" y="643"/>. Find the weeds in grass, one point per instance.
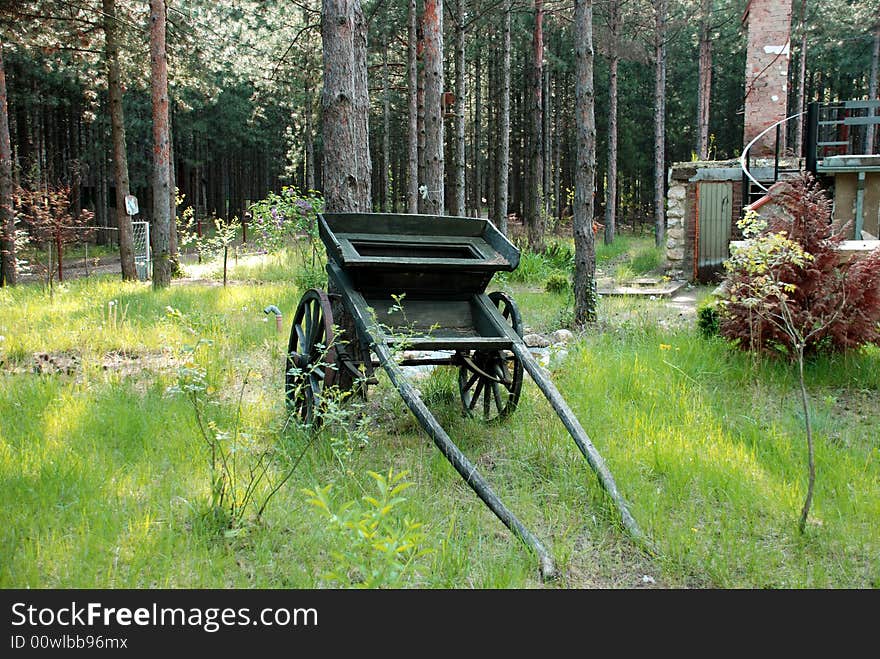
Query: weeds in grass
<point x="646" y="260"/>
<point x="239" y="465"/>
<point x="375" y="546"/>
<point x="704" y="442"/>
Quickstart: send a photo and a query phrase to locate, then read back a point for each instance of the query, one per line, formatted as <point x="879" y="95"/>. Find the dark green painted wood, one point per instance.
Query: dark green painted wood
<point x="334" y="228"/>
<point x="443" y="307"/>
<point x="582" y="440"/>
<point x="366" y="325"/>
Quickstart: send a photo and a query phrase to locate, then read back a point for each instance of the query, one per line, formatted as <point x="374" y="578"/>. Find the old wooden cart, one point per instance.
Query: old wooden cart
<point x="409" y="290"/>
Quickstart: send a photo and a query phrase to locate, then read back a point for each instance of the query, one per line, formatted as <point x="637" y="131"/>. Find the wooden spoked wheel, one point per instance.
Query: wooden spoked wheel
<point x="490" y="381"/>
<point x="310" y="365"/>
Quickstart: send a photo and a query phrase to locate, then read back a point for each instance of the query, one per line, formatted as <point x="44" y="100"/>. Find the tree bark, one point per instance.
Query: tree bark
<point x="546" y="159"/>
<point x="585" y="173"/>
<point x="420" y="114"/>
<point x="386" y="134"/>
<point x="486" y="173"/>
<point x="172" y="199"/>
<point x="611" y="186"/>
<point x="8" y="261"/>
<point x="310" y="143"/>
<point x="503" y="164"/>
<point x="557" y="150"/>
<point x="534" y="214"/>
<point x="704" y="90"/>
<point x="478" y="138"/>
<point x="802" y="81"/>
<point x="161" y="226"/>
<point x="432" y="60"/>
<point x="660" y="17"/>
<point x="872" y="88"/>
<point x="345" y="105"/>
<point x="458" y="166"/>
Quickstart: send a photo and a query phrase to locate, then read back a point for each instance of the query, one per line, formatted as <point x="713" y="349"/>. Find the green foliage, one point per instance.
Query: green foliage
<point x="557" y="283"/>
<point x="374" y="545"/>
<point x="238" y="463"/>
<point x="280" y="220"/>
<point x="647" y="260"/>
<point x="707" y="317"/>
<point x="291" y="218"/>
<point x="787" y="290"/>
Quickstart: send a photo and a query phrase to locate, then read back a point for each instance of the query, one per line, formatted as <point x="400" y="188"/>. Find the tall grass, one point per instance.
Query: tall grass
<point x="101" y="471"/>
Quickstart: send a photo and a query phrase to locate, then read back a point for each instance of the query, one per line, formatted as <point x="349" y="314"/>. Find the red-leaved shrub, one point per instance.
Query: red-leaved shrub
<point x="839" y="296"/>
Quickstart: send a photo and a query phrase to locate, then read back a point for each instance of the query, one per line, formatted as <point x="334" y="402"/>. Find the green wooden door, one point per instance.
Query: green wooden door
<point x="713" y="225"/>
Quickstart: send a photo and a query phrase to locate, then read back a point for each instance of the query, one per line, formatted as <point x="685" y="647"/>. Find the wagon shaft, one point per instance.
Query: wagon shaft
<point x="417" y="283"/>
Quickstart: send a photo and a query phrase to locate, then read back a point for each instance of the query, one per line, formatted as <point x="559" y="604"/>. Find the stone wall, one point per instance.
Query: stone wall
<point x="676" y="210"/>
<point x="681" y="210"/>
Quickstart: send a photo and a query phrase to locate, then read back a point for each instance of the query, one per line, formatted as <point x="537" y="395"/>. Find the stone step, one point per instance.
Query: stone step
<point x="664" y="289"/>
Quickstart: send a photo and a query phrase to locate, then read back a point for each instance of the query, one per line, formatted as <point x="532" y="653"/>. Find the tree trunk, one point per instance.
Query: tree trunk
<point x="386" y="134"/>
<point x="310" y="144"/>
<point x="503" y="164"/>
<point x="547" y="159"/>
<point x="486" y="168"/>
<point x="872" y="89"/>
<point x="585" y="173"/>
<point x="811" y="458"/>
<point x="345" y="105"/>
<point x="432" y="60"/>
<point x="704" y="90"/>
<point x="420" y="116"/>
<point x="8" y="261"/>
<point x="161" y="229"/>
<point x="802" y="80"/>
<point x="557" y="149"/>
<point x="458" y="165"/>
<point x="535" y="187"/>
<point x="477" y="195"/>
<point x="412" y="161"/>
<point x="611" y="186"/>
<point x="117" y="131"/>
<point x="660" y="12"/>
<point x="172" y="200"/>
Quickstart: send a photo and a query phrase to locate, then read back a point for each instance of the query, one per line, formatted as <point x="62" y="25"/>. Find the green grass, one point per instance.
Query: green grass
<point x="627" y="257"/>
<point x="103" y="477"/>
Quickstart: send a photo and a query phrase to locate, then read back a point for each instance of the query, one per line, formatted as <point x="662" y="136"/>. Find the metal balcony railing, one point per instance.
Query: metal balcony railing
<point x="842" y="128"/>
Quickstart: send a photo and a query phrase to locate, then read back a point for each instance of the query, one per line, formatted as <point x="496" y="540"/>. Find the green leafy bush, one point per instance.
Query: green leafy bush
<point x="375" y="546"/>
<point x="707" y="317"/>
<point x="557" y="283"/>
<point x="790" y="274"/>
<point x="279" y="220"/>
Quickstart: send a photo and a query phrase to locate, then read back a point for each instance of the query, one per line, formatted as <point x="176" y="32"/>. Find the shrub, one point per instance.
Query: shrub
<point x="375" y="545"/>
<point x="557" y="283"/>
<point x="796" y="250"/>
<point x="707" y="317"/>
<point x="560" y="256"/>
<point x="280" y="220"/>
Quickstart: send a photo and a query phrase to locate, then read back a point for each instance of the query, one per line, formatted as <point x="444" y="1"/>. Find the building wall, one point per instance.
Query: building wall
<point x="681" y="212"/>
<point x="766" y="81"/>
<point x="845" y="191"/>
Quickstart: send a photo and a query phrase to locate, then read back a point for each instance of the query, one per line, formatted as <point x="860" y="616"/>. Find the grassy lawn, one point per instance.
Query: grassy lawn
<point x="105" y="479"/>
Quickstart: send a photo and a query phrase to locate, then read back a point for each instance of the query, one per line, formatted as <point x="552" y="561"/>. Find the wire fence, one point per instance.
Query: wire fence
<point x="143" y="257"/>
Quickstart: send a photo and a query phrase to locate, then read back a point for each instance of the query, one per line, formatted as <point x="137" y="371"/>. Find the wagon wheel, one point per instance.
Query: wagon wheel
<point x="354" y="370"/>
<point x="491" y="380"/>
<point x="310" y="365"/>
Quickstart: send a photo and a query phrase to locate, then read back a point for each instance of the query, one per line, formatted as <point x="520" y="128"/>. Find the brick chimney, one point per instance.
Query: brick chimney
<point x="767" y="59"/>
